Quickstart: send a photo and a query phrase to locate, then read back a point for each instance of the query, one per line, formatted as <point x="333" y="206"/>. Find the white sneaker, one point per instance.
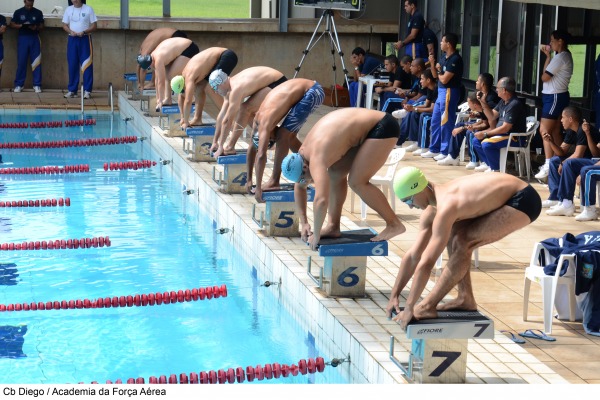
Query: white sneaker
<point x="18" y="89"/>
<point x="418" y="152"/>
<point x="37" y="89"/>
<point x="87" y="95"/>
<point x="588" y="214"/>
<point x="70" y="95"/>
<point x="482" y="167"/>
<point x="448" y="161"/>
<point x="399" y="114"/>
<point x="472" y="165"/>
<point x="543" y="173"/>
<point x="561" y="210"/>
<point x="412" y="147"/>
<point x="429" y="154"/>
<point x="549" y="203"/>
<point x="439" y="157"/>
<point x="490" y="170"/>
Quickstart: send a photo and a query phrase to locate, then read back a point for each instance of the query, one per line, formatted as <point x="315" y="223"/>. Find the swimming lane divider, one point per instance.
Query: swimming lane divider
<point x="239" y="375"/>
<point x="53" y="144"/>
<point x="58" y="244"/>
<point x="137" y="300"/>
<point x="37" y="203"/>
<point x="47" y="170"/>
<point x="48" y="124"/>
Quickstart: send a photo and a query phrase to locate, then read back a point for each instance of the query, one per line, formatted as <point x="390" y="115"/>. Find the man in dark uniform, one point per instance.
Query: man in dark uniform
<point x="430" y="41"/>
<point x="29" y="21"/>
<point x="413" y="41"/>
<point x="2" y="30"/>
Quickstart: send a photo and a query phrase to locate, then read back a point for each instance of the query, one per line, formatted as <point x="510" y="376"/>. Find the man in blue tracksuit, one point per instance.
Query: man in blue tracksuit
<point x="29" y="21"/>
<point x="79" y="22"/>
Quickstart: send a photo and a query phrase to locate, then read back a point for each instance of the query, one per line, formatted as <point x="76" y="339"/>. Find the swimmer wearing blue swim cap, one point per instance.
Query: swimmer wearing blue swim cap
<point x="292" y="168"/>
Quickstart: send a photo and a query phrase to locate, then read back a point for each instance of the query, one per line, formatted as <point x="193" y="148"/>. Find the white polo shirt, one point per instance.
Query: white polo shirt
<point x="79" y="19"/>
<point x="561" y="68"/>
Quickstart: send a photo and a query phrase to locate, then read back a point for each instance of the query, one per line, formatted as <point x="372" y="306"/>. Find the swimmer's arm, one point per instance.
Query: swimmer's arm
<point x="230" y="116"/>
<point x="141" y="78"/>
<point x="261" y="154"/>
<point x="440" y="233"/>
<point x="188" y="99"/>
<point x="411" y="258"/>
<point x="219" y="123"/>
<point x="250" y="158"/>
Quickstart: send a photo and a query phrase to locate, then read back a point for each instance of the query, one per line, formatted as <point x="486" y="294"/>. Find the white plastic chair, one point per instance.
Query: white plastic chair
<point x="522" y="153"/>
<point x="385" y="181"/>
<point x="549" y="283"/>
<point x="462" y="115"/>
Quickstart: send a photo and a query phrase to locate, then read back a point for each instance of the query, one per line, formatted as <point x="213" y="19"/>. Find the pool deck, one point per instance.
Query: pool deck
<point x="498" y="283"/>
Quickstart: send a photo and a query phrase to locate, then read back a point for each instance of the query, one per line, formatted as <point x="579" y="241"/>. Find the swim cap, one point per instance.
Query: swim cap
<point x="255" y="141"/>
<point x="144" y="61"/>
<point x="177" y="84"/>
<point x="216" y="78"/>
<point x="292" y="167"/>
<point x="409" y="181"/>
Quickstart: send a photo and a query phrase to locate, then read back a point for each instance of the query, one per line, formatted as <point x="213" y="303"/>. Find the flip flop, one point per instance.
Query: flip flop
<point x="537" y="334"/>
<point x="514" y="338"/>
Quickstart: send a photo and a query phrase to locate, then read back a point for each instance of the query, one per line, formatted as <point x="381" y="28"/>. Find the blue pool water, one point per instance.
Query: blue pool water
<point x="160" y="242"/>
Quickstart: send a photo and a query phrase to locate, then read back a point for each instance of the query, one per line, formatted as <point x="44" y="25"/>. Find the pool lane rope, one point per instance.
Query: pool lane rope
<point x="137" y="300"/>
<point x="84" y="243"/>
<point x="54" y="144"/>
<point x="48" y="124"/>
<point x="240" y="375"/>
<point x="123" y="165"/>
<point x="47" y="170"/>
<point x="37" y="203"/>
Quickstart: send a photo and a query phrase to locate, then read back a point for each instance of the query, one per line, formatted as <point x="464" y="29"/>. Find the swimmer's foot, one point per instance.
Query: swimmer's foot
<point x="424" y="312"/>
<point x="458" y="304"/>
<point x="389" y="232"/>
<point x="227" y="152"/>
<point x="195" y="122"/>
<point x="331" y="231"/>
<point x="270" y="186"/>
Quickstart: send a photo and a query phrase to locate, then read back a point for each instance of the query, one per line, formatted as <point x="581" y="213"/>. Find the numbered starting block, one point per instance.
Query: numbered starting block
<point x="234" y="176"/>
<point x="202" y="139"/>
<point x="439" y="346"/>
<point x="345" y="269"/>
<point x="279" y="217"/>
<point x="131" y="79"/>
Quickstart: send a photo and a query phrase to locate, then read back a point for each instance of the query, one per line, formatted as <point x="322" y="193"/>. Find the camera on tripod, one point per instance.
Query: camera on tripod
<point x="347" y="5"/>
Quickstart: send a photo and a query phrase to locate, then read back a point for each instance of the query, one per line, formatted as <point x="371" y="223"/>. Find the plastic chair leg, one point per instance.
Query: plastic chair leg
<point x="548" y="303"/>
<point x="526" y="289"/>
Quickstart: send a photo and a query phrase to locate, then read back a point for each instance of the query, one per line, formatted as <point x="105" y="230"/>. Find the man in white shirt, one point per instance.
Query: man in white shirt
<point x="79" y="22"/>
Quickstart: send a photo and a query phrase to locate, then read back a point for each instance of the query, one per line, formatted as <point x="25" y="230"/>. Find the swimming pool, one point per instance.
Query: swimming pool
<point x="160" y="242"/>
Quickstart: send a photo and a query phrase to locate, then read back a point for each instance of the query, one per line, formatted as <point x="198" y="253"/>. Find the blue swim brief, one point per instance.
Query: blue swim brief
<point x="298" y="114"/>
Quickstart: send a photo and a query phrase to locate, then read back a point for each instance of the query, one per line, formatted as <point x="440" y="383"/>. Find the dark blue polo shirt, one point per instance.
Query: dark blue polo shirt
<point x="513" y="113"/>
<point x="369" y="66"/>
<point x="580" y="139"/>
<point x="28" y="18"/>
<point x="492" y="99"/>
<point x="406" y="80"/>
<point x="416" y="22"/>
<point x="2" y="23"/>
<point x="432" y="95"/>
<point x="429" y="37"/>
<point x="454" y="64"/>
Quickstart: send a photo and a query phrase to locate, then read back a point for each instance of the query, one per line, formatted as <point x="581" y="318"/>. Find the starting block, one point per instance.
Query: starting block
<point x="234" y="176"/>
<point x="172" y="120"/>
<point x="279" y="217"/>
<point x="439" y="346"/>
<point x="202" y="139"/>
<point x="131" y="79"/>
<point x="345" y="269"/>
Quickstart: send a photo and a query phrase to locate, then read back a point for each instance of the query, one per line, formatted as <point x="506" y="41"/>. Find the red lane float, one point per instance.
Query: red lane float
<point x="37" y="203"/>
<point x="54" y="144"/>
<point x="14" y="125"/>
<point x="80" y="122"/>
<point x="239" y="374"/>
<point x="58" y="244"/>
<point x="47" y="170"/>
<point x="134" y="165"/>
<point x="115" y="301"/>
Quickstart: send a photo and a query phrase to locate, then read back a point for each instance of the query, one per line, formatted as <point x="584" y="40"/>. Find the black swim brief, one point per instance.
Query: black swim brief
<point x="277" y="82"/>
<point x="227" y="62"/>
<point x="527" y="201"/>
<point x="386" y="128"/>
<point x="191" y="51"/>
<point x="179" y="33"/>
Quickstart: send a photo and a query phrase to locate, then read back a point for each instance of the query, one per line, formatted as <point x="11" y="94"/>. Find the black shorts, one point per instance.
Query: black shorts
<point x="227" y="62"/>
<point x="191" y="51"/>
<point x="179" y="33"/>
<point x="278" y="82"/>
<point x="527" y="201"/>
<point x="388" y="127"/>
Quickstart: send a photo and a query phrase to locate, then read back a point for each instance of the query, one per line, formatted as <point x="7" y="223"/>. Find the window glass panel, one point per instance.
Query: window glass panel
<point x="578" y="52"/>
<point x="473" y="18"/>
<point x="179" y="8"/>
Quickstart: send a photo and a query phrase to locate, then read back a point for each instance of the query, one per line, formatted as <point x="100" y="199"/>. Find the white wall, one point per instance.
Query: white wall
<point x="8" y="7"/>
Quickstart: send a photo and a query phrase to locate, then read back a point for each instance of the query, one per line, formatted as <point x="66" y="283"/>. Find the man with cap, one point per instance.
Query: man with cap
<point x="243" y="93"/>
<point x="460" y="215"/>
<point x="293" y="101"/>
<point x="194" y="80"/>
<point x="346" y="147"/>
<point x="168" y="59"/>
<point x="153" y="39"/>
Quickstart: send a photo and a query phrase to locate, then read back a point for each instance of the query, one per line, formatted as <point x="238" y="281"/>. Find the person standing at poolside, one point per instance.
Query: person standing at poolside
<point x="344" y="148"/>
<point x="79" y="22"/>
<point x="555" y="92"/>
<point x="29" y="21"/>
<point x="2" y="31"/>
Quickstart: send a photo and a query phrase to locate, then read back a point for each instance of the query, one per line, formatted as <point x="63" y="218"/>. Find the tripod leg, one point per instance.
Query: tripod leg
<point x="333" y="67"/>
<point x="311" y="44"/>
<point x="339" y="49"/>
